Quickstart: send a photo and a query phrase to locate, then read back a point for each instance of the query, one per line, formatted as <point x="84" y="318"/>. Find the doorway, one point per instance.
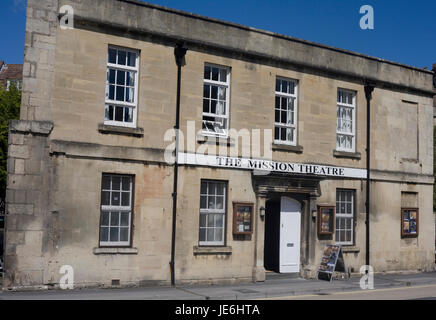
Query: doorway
<point x="282" y="235"/>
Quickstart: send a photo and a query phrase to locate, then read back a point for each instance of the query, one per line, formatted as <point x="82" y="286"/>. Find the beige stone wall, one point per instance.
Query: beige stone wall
<point x="54" y="200"/>
<point x="76" y="224"/>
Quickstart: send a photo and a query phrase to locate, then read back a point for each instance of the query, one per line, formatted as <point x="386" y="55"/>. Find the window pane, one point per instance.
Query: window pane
<point x="115" y="218"/>
<point x="215" y="72"/>
<point x="203" y="202"/>
<point x="116" y="198"/>
<point x="219" y="222"/>
<point x="106" y="182"/>
<point x="104" y="234"/>
<point x="219" y="234"/>
<point x="121" y="77"/>
<point x="124" y="234"/>
<point x="116" y="183"/>
<point x="131" y="59"/>
<point x="207" y="72"/>
<point x="111" y="93"/>
<point x="203" y="220"/>
<point x="203" y="188"/>
<point x="277" y="85"/>
<point x="126" y="183"/>
<point x="112" y="56"/>
<point x="202" y="234"/>
<point x="219" y="203"/>
<point x="119" y="113"/>
<point x="210" y="220"/>
<point x="111" y="76"/>
<point x="210" y="235"/>
<point x="125" y="216"/>
<point x="212" y="188"/>
<point x="120" y="94"/>
<point x="125" y="199"/>
<point x="104" y="218"/>
<point x="214" y="92"/>
<point x="128" y="114"/>
<point x="122" y="57"/>
<point x="113" y="234"/>
<point x="105" y="198"/>
<point x="206" y="91"/>
<point x="223" y="75"/>
<point x="220" y="189"/>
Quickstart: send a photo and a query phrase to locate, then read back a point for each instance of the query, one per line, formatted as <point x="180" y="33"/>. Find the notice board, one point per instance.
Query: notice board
<point x="332" y="260"/>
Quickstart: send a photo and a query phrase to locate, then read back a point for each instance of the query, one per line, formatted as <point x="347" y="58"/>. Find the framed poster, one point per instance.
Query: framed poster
<point x="409" y="222"/>
<point x="242" y="218"/>
<point x="326" y="220"/>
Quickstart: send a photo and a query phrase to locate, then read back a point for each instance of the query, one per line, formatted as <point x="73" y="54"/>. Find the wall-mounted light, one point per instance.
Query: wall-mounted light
<point x="314" y="214"/>
<point x="262" y="212"/>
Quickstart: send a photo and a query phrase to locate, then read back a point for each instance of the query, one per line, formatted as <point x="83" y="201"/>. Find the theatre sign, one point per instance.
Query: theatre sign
<point x="262" y="166"/>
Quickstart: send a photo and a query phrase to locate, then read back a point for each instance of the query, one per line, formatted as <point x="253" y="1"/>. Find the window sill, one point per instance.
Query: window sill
<point x="127" y="131"/>
<point x="286" y="147"/>
<point x="109" y="250"/>
<point x="212" y="250"/>
<point x="216" y="139"/>
<point x="345" y="154"/>
<point x="350" y="249"/>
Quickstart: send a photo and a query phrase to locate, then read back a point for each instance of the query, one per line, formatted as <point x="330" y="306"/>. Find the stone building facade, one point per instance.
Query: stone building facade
<point x="90" y="186"/>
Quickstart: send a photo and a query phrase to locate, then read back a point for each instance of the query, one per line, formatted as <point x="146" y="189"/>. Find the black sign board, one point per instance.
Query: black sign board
<point x="332" y="260"/>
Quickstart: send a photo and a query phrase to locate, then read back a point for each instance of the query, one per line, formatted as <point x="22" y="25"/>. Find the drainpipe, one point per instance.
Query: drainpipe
<point x="179" y="53"/>
<point x="368" y="94"/>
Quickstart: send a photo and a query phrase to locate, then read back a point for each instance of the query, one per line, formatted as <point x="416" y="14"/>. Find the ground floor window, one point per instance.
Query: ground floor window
<point x="212" y="213"/>
<point x="345" y="216"/>
<point x="116" y="210"/>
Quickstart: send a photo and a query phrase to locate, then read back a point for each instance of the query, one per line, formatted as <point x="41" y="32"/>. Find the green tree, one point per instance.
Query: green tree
<point x="10" y="102"/>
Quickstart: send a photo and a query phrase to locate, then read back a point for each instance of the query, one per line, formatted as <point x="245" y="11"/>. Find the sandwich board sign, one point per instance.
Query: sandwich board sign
<point x="332" y="260"/>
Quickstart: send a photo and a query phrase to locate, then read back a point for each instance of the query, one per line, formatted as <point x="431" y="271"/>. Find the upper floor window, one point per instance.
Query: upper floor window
<point x="122" y="87"/>
<point x="285" y="126"/>
<point x="216" y="100"/>
<point x="116" y="210"/>
<point x="345" y="129"/>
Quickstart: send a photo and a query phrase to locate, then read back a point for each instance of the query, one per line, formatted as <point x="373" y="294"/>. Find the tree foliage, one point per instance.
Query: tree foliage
<point x="10" y="102"/>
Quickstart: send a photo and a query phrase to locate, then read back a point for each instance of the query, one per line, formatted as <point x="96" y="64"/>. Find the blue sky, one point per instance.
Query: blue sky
<point x="405" y="31"/>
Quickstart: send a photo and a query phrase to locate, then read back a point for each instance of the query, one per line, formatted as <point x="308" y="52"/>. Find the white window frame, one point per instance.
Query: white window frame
<point x="226" y="116"/>
<point x="345" y="216"/>
<point x="108" y="102"/>
<point x="120" y="209"/>
<point x="353" y="114"/>
<point x="222" y="211"/>
<point x="294" y="126"/>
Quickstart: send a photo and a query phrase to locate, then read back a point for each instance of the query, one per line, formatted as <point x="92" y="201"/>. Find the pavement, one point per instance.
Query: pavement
<point x="275" y="287"/>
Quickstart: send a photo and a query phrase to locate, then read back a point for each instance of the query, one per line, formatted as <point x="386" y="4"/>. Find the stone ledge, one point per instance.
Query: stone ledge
<point x="212" y="250"/>
<point x="344" y="154"/>
<point x="106" y="129"/>
<point x="109" y="250"/>
<point x="215" y="140"/>
<point x="286" y="147"/>
<point x="350" y="249"/>
<point x="35" y="127"/>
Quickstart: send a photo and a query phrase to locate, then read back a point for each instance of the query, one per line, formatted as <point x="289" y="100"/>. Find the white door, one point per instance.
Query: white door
<point x="290" y="221"/>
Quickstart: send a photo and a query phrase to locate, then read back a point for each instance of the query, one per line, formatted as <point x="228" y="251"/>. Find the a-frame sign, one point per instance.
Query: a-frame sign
<point x="332" y="260"/>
